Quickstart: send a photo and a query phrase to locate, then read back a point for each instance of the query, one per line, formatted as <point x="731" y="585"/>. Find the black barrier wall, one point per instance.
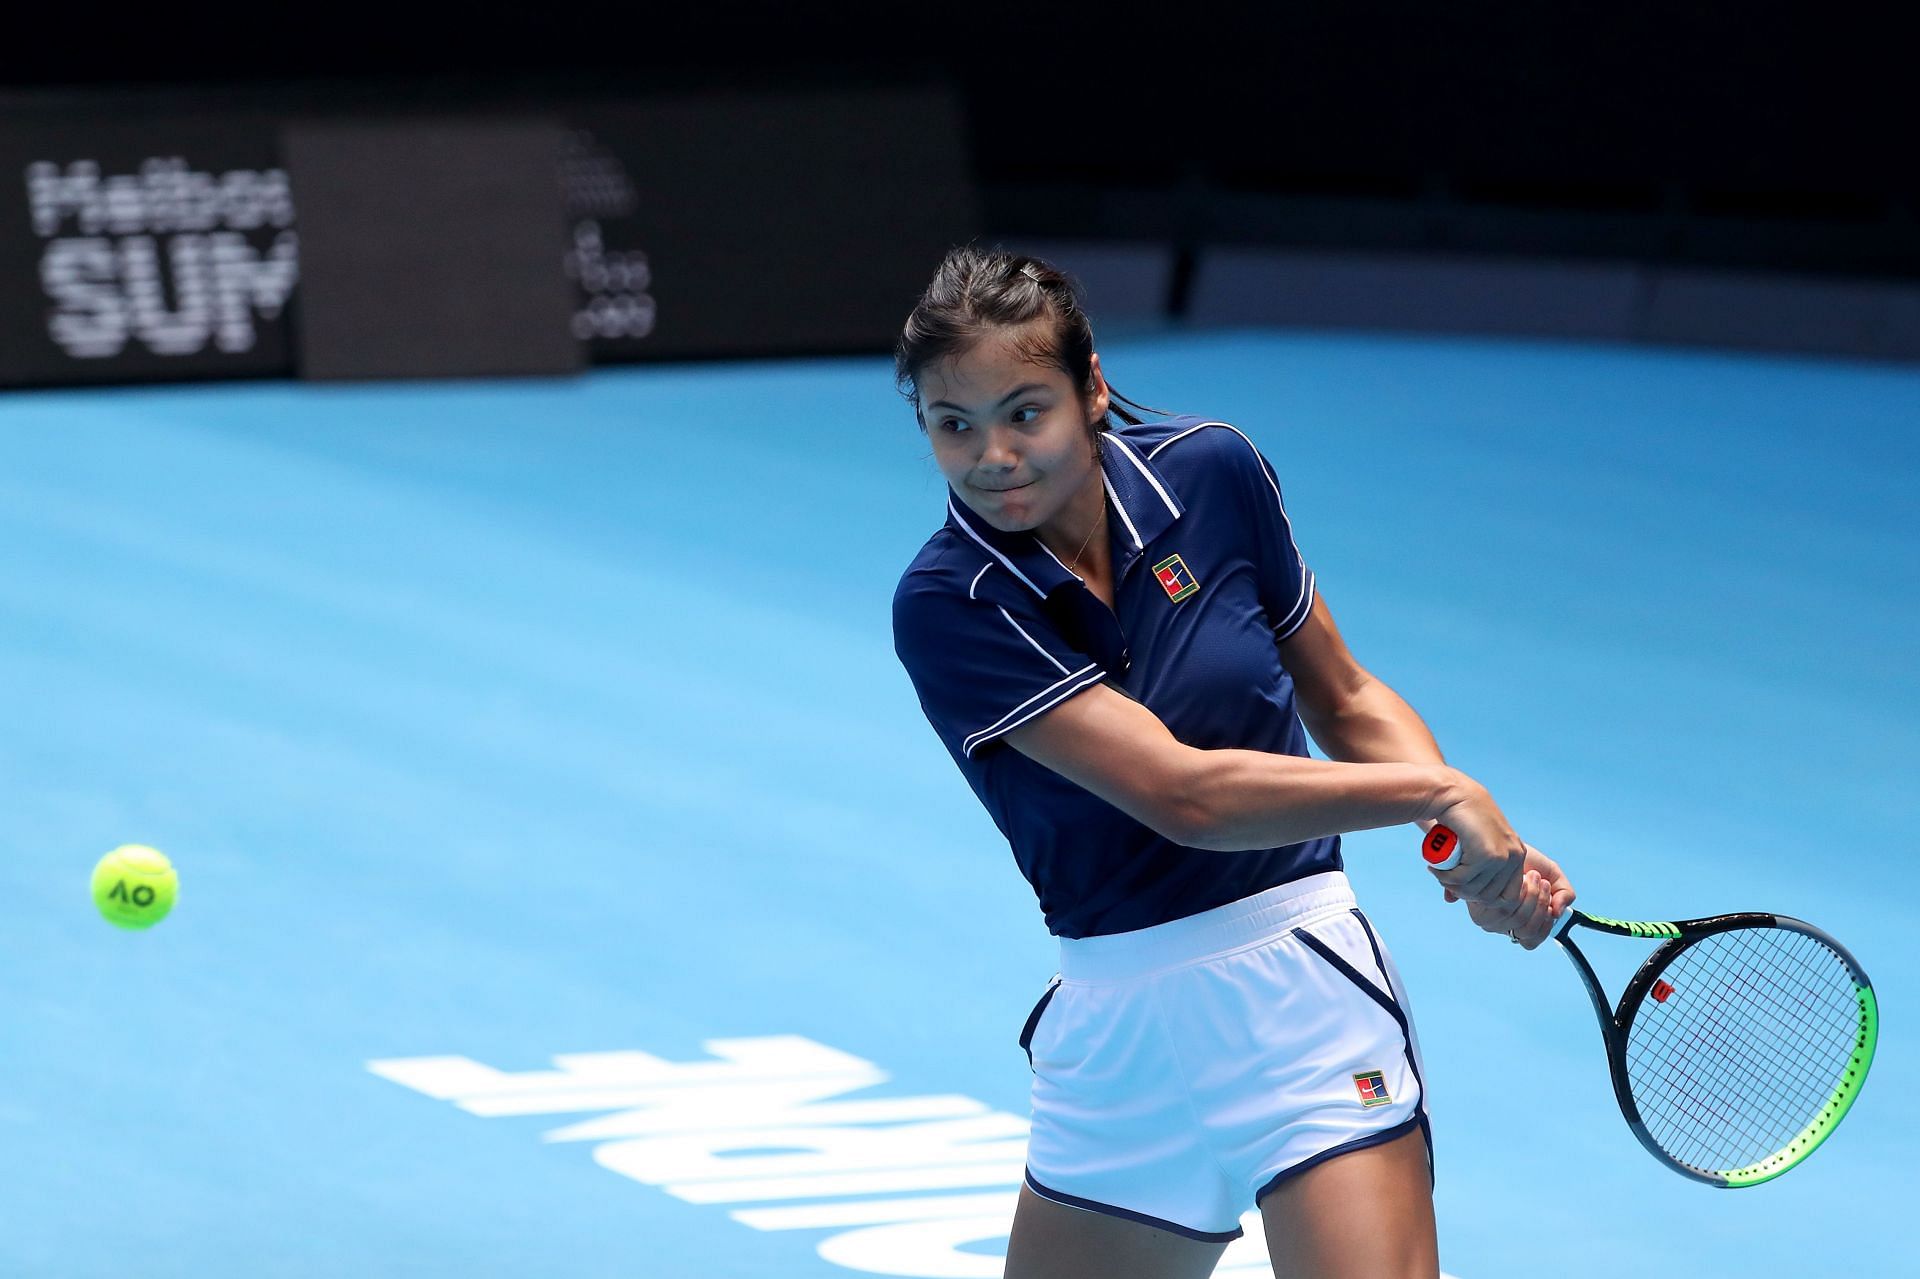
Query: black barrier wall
<point x="1348" y="179"/>
<point x="737" y="224"/>
<point x="433" y="249"/>
<point x="138" y="243"/>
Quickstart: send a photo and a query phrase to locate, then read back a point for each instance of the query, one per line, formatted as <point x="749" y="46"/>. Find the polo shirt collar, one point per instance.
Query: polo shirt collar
<point x="1143" y="506"/>
<point x="1142" y="498"/>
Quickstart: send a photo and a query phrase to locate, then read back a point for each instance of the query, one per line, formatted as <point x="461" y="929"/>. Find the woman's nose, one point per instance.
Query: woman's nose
<point x="997" y="448"/>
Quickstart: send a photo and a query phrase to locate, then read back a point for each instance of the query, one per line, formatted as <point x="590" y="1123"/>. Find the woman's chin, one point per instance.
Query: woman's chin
<point x="1008" y="513"/>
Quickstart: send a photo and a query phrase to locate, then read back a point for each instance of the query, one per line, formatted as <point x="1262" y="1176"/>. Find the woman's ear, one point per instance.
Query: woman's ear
<point x="1099" y="399"/>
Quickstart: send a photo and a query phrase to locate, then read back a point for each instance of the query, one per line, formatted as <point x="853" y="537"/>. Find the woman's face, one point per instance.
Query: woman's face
<point x="1013" y="438"/>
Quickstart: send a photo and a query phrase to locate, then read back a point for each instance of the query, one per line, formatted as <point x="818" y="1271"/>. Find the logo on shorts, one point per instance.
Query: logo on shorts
<point x="1372" y="1086"/>
<point x="1174" y="578"/>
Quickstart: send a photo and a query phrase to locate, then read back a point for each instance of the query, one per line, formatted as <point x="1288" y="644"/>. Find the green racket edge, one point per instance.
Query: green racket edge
<point x="1795" y="1151"/>
<point x="1443" y="842"/>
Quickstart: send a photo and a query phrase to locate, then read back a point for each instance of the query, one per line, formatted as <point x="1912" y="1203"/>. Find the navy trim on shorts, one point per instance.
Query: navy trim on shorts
<point x="1380" y="1138"/>
<point x="1413" y="1063"/>
<point x="1127" y="1214"/>
<point x="1373" y="944"/>
<point x="1386" y="1000"/>
<point x="1033" y="1020"/>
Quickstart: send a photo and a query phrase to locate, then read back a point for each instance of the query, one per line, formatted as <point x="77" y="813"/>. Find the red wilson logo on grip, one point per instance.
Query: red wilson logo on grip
<point x="1439" y="845"/>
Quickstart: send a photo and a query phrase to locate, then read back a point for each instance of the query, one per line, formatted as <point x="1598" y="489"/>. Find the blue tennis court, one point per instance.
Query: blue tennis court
<point x="571" y="884"/>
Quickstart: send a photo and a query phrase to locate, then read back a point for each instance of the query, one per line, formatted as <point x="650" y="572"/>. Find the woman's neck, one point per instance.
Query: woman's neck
<point x="1077" y="535"/>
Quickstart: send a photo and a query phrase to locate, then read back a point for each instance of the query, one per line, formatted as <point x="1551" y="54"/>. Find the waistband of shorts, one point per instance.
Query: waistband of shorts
<point x="1234" y="926"/>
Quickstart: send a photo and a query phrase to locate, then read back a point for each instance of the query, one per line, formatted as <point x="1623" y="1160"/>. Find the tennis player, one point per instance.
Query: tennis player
<point x="1118" y="641"/>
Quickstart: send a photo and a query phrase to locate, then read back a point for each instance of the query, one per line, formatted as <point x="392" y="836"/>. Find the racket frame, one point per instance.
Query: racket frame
<point x="1616" y="1020"/>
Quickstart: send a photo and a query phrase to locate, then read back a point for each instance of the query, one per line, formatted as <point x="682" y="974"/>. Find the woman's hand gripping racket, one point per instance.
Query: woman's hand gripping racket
<point x="1739" y="1045"/>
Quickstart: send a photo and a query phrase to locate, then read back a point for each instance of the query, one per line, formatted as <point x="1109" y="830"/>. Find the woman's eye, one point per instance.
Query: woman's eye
<point x="1026" y="413"/>
<point x="952" y="425"/>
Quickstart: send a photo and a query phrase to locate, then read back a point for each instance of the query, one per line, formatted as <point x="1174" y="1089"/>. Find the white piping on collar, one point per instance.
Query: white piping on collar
<point x="988" y="548"/>
<point x="976" y="579"/>
<point x="1050" y="555"/>
<point x="1126" y="450"/>
<point x="1121" y="507"/>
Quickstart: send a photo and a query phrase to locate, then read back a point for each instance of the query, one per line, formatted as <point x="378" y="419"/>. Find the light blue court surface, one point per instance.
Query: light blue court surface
<point x="572" y="887"/>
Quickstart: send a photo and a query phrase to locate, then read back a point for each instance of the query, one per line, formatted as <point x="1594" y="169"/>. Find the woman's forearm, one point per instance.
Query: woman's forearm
<point x="1251" y="799"/>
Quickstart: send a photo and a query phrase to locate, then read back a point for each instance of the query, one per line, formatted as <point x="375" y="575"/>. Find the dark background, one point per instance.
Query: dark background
<point x="1641" y="116"/>
<point x="1698" y="146"/>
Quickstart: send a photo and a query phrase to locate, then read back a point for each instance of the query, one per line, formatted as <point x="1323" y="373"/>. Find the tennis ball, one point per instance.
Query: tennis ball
<point x="134" y="886"/>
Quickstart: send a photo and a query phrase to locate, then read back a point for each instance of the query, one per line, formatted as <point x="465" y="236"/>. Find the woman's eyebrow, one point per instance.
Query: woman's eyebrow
<point x="1014" y="394"/>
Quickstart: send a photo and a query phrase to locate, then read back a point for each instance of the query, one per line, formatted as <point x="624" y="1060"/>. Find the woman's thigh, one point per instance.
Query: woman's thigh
<point x="1053" y="1241"/>
<point x="1367" y="1214"/>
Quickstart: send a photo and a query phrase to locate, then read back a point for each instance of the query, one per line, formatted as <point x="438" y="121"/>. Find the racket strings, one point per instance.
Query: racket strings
<point x="1718" y="1107"/>
<point x="1747" y="1048"/>
<point x="1750" y="1046"/>
<point x="1730" y="1059"/>
<point x="1734" y="1053"/>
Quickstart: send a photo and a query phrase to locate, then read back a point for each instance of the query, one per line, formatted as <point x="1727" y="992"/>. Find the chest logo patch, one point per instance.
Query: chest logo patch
<point x="1174" y="578"/>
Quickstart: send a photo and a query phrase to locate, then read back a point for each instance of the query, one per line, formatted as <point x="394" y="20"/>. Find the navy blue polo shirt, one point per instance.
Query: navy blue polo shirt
<point x="994" y="630"/>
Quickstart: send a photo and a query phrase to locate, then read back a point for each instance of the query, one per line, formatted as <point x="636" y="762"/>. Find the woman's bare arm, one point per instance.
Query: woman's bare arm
<point x="1355" y="716"/>
<point x="1352" y="715"/>
<point x="1235" y="799"/>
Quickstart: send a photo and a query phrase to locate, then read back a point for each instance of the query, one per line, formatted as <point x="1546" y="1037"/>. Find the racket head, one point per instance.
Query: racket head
<point x="1739" y="1045"/>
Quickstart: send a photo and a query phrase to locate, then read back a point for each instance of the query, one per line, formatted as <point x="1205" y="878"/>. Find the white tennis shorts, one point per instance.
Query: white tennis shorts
<point x="1182" y="1071"/>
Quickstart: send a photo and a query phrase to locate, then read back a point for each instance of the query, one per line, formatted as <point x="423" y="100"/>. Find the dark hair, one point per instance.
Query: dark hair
<point x="977" y="291"/>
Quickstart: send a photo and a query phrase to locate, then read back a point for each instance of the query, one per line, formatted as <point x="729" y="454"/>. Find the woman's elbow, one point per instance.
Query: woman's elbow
<point x="1177" y="791"/>
<point x="1187" y="819"/>
<point x="1203" y="802"/>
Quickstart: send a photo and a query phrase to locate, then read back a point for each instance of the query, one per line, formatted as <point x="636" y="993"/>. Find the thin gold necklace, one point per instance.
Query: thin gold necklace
<point x="1098" y="520"/>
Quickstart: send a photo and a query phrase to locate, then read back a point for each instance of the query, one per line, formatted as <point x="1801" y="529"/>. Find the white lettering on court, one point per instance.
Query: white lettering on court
<point x="768" y="1121"/>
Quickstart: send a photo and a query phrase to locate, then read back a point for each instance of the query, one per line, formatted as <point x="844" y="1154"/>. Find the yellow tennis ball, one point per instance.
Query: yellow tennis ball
<point x="134" y="886"/>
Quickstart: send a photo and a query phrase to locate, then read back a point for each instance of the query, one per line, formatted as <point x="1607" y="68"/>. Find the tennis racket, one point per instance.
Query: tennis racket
<point x="1739" y="1045"/>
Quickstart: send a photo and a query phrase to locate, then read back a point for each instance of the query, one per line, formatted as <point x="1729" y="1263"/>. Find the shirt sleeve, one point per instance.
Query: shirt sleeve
<point x="1286" y="583"/>
<point x="983" y="665"/>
